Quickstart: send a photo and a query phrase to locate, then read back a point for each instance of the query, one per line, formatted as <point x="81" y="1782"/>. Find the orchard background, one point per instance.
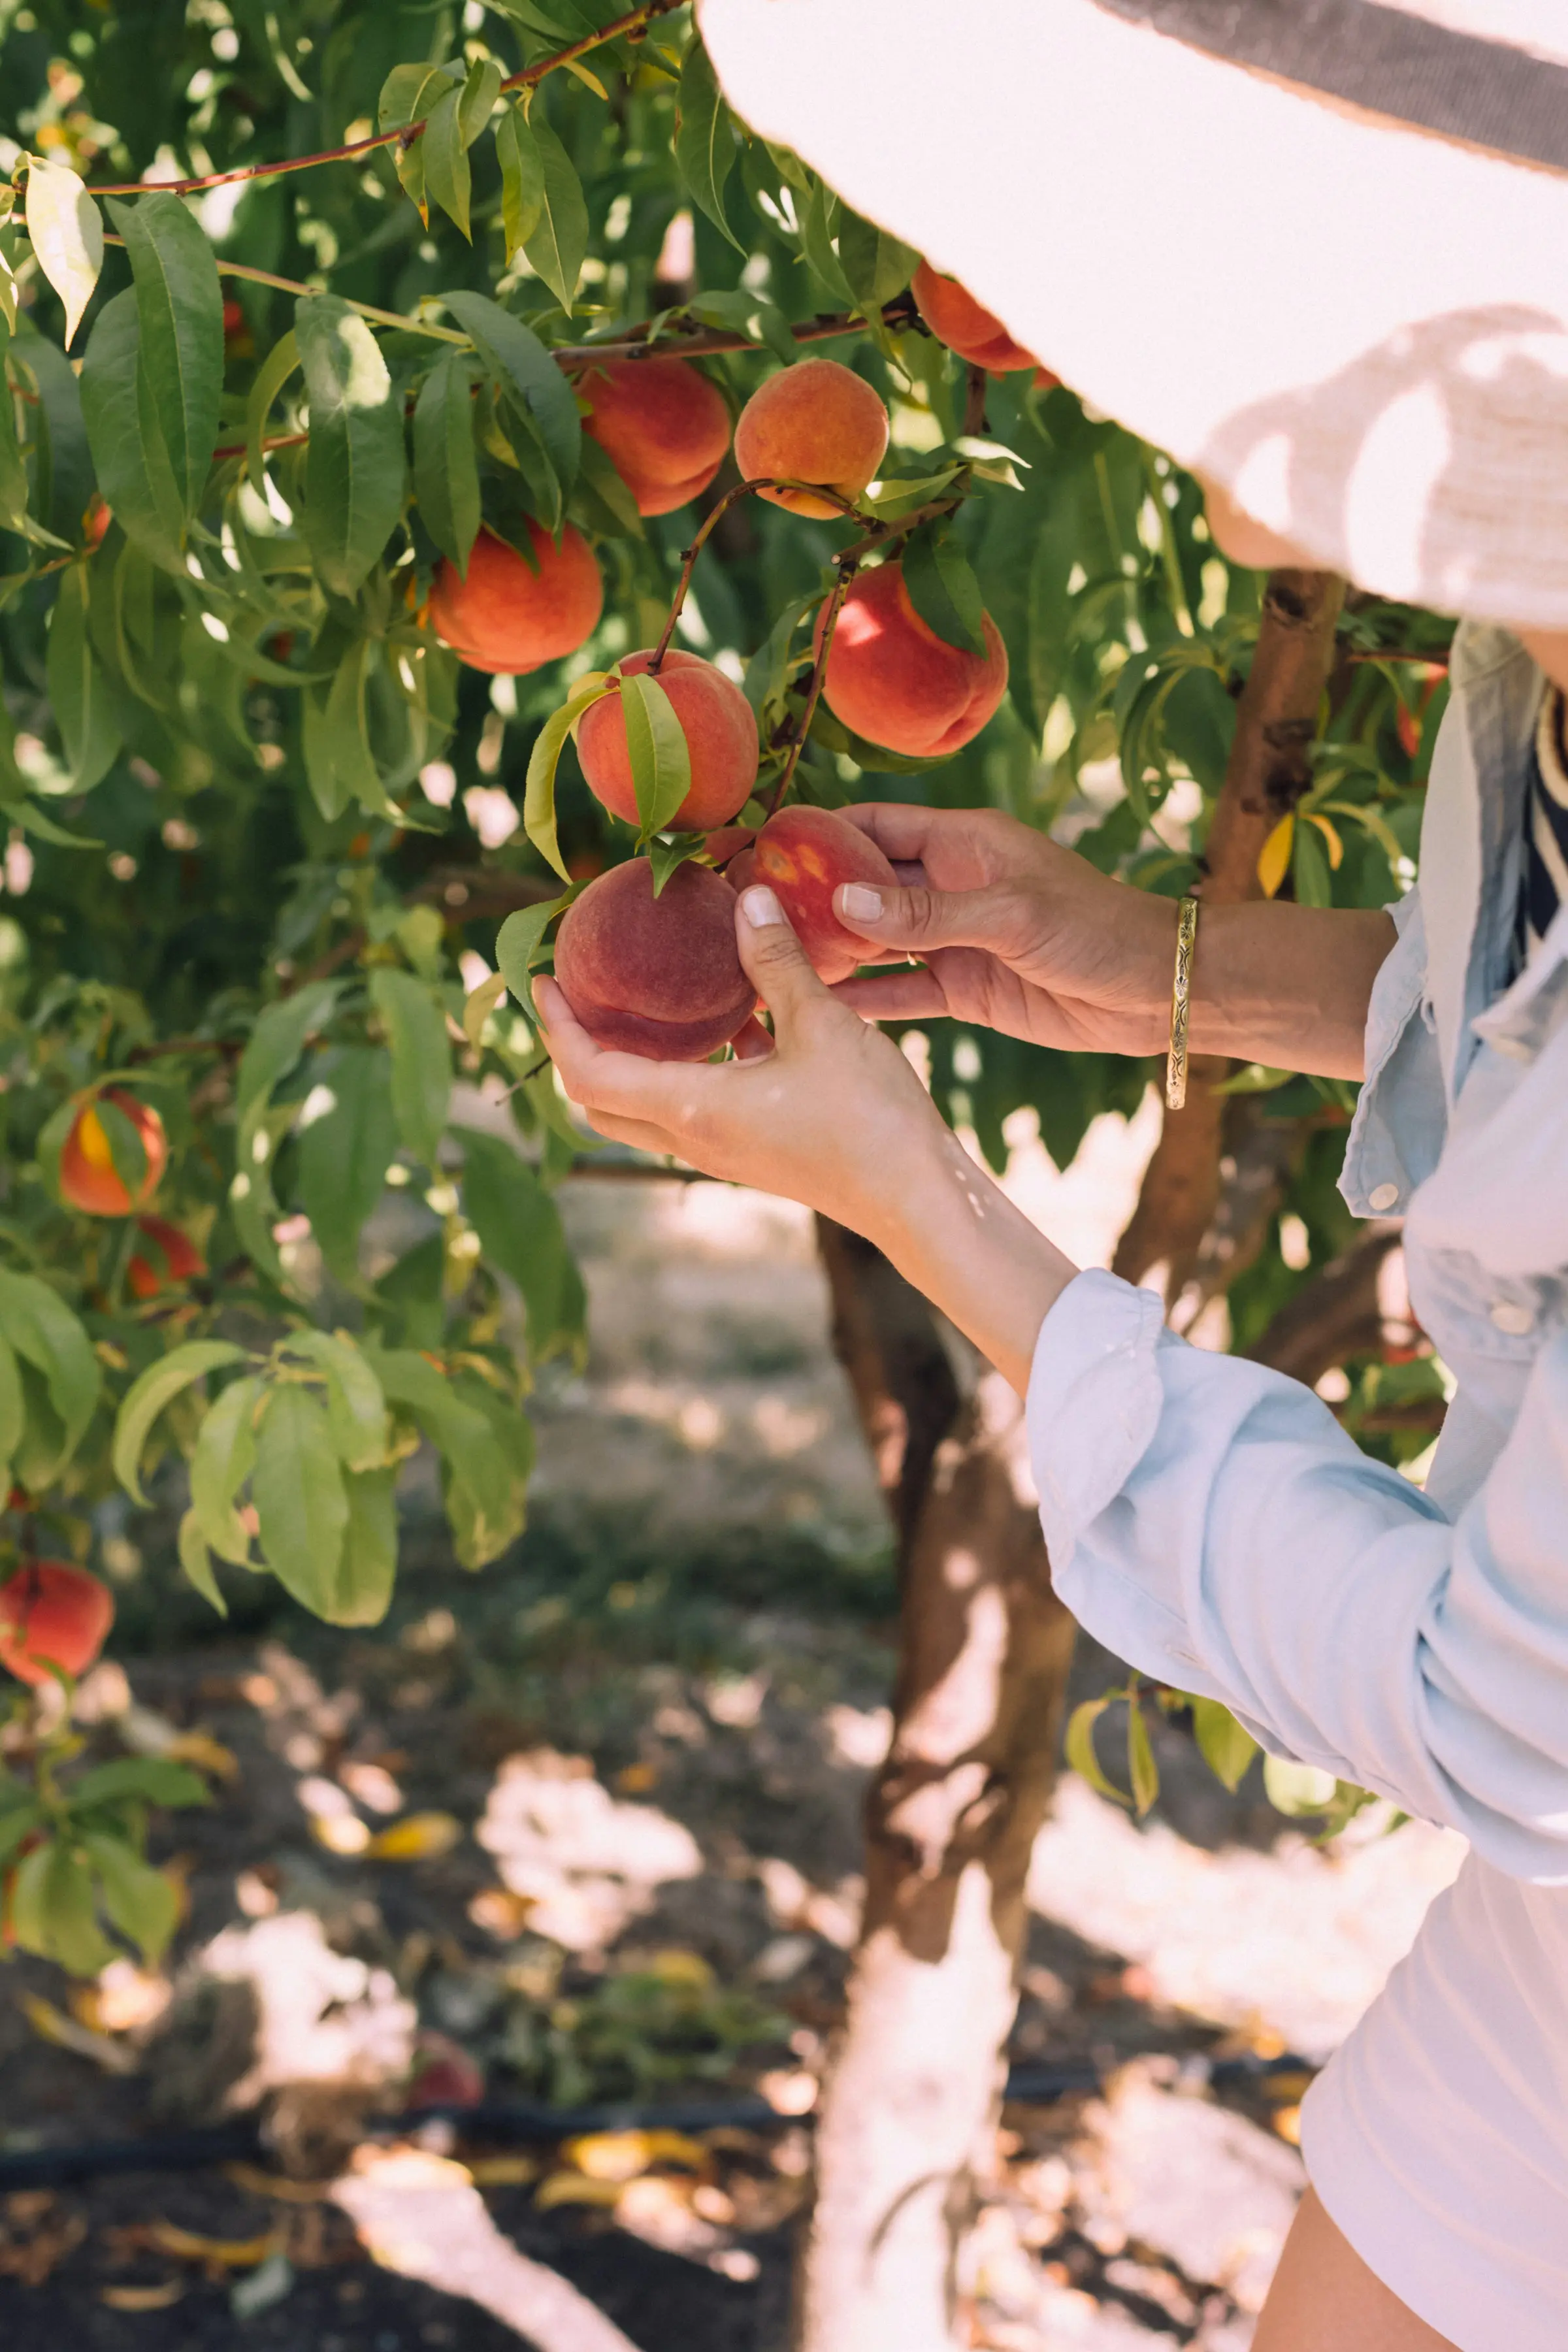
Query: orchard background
<point x="341" y="341"/>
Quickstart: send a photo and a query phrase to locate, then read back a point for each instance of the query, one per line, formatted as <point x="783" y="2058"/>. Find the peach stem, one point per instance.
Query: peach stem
<point x="848" y="565"/>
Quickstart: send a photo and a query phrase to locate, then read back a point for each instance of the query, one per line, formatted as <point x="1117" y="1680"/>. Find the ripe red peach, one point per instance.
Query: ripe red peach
<point x="661" y="423"/>
<point x="52" y="1611"/>
<point x="957" y="320"/>
<point x="163" y="1256"/>
<point x="720" y="732"/>
<point x="659" y="976"/>
<point x="803" y="855"/>
<point x="88" y="1178"/>
<point x="510" y="617"/>
<point x="893" y="679"/>
<point x="814" y="421"/>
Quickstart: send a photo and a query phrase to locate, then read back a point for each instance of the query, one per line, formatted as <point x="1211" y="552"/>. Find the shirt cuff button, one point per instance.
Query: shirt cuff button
<point x="1514" y="1319"/>
<point x="1383" y="1196"/>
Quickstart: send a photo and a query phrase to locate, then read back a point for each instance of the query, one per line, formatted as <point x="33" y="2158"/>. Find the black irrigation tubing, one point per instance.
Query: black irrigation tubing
<point x="530" y="2123"/>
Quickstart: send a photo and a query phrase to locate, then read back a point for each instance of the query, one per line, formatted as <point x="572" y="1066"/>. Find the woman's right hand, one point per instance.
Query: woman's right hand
<point x="1012" y="932"/>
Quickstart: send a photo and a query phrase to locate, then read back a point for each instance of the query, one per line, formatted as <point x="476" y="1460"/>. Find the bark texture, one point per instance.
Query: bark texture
<point x="1268" y="770"/>
<point x="911" y="2103"/>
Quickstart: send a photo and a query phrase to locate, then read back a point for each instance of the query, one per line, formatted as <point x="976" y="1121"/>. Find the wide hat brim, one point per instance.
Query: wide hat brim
<point x="1357" y="324"/>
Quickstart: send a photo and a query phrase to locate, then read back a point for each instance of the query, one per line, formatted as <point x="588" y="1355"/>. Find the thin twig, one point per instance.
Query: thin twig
<point x="876" y="532"/>
<point x="636" y="344"/>
<point x="848" y="565"/>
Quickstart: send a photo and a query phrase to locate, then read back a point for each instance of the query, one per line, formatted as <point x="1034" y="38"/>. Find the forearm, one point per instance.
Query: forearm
<point x="1286" y="985"/>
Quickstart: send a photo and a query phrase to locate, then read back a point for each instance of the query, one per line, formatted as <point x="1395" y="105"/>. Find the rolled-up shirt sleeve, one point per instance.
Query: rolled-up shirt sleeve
<point x="1210" y="1522"/>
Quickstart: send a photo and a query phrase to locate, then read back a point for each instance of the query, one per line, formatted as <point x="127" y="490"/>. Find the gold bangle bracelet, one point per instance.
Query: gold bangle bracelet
<point x="1181" y="1005"/>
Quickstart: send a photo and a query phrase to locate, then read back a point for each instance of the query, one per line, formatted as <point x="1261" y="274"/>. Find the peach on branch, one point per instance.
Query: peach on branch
<point x="804" y="854"/>
<point x="512" y="617"/>
<point x="164" y="1255"/>
<point x="814" y="422"/>
<point x="957" y="320"/>
<point x="893" y="679"/>
<point x="90" y="1179"/>
<point x="721" y="732"/>
<point x="659" y="976"/>
<point x="52" y="1613"/>
<point x="662" y="424"/>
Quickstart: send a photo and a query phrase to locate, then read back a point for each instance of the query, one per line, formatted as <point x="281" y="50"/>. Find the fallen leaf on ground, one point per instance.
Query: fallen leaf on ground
<point x="52" y="2024"/>
<point x="419" y="1837"/>
<point x="142" y="2298"/>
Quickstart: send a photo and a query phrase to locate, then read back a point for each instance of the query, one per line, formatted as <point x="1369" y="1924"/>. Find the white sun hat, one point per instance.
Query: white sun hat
<point x="1317" y="249"/>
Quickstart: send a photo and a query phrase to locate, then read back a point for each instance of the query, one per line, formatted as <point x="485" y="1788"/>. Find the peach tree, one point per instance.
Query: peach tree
<point x="453" y="479"/>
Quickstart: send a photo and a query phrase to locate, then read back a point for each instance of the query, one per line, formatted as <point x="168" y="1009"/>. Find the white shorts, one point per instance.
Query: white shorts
<point x="1437" y="2136"/>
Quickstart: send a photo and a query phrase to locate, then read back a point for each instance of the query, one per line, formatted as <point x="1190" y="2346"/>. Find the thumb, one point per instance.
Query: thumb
<point x="774" y="958"/>
<point x="914" y="917"/>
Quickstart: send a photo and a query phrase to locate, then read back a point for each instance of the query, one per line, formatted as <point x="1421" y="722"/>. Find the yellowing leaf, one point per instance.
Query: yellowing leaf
<point x="576" y="65"/>
<point x="478" y="1008"/>
<point x="189" y="2245"/>
<point x="624" y="2154"/>
<point x="575" y="2189"/>
<point x="1331" y="835"/>
<point x="142" y="2298"/>
<point x="67" y="230"/>
<point x="207" y="1754"/>
<point x="52" y="2024"/>
<point x="1274" y="857"/>
<point x="340" y="1832"/>
<point x="420" y="1837"/>
<point x="503" y="2171"/>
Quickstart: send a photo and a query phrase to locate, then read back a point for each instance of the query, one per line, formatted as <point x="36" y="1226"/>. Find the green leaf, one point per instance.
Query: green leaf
<point x="1079" y="1747"/>
<point x="1225" y="1748"/>
<point x="67" y="230"/>
<point x="152" y="1391"/>
<point x="179" y="304"/>
<point x="355" y="465"/>
<point x="17" y="1821"/>
<point x="520" y="1229"/>
<point x="53" y="1909"/>
<point x="875" y="265"/>
<point x="521" y="185"/>
<point x="517" y="944"/>
<point x="13" y="1408"/>
<point x="63" y="464"/>
<point x="1309" y="869"/>
<point x="478" y="1007"/>
<point x="197" y="1561"/>
<point x="539" y="791"/>
<point x="147" y="1779"/>
<point x="547" y="202"/>
<point x="224" y="1458"/>
<point x="415" y="1026"/>
<point x="1141" y="1770"/>
<point x="535" y="389"/>
<point x="140" y="1901"/>
<point x="270" y="378"/>
<point x="297" y="1486"/>
<point x="133" y="469"/>
<point x="1297" y="1789"/>
<point x="664" y="856"/>
<point x="481" y="1490"/>
<point x="661" y="762"/>
<point x="13" y="472"/>
<point x="818" y="227"/>
<point x="767" y="672"/>
<point x="447" y="174"/>
<point x="369" y="1564"/>
<point x="46" y="1334"/>
<point x="345" y="1151"/>
<point x="407" y="95"/>
<point x="356" y="1409"/>
<point x="276" y="1043"/>
<point x="79" y="689"/>
<point x="446" y="465"/>
<point x="942" y="587"/>
<point x="705" y="138"/>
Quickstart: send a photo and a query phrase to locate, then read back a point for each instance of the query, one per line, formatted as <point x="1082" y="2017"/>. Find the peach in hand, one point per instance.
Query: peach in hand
<point x="720" y="733"/>
<point x="893" y="679"/>
<point x="508" y="616"/>
<point x="814" y="421"/>
<point x="662" y="424"/>
<point x="804" y="854"/>
<point x="659" y="976"/>
<point x="90" y="1179"/>
<point x="52" y="1614"/>
<point x="957" y="320"/>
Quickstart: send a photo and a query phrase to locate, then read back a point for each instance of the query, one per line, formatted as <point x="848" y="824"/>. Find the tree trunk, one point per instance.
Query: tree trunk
<point x="912" y="2102"/>
<point x="1267" y="773"/>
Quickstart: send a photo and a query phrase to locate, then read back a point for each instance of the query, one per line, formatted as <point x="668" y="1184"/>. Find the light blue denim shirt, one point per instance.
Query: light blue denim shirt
<point x="1210" y="1522"/>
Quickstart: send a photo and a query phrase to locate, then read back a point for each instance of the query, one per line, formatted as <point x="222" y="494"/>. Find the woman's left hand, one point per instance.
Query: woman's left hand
<point x="828" y="1113"/>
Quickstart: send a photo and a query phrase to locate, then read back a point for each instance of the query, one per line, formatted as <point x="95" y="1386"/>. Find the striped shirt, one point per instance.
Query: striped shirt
<point x="1544" y="884"/>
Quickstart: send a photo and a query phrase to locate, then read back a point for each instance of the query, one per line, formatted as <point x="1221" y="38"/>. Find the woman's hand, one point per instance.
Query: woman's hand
<point x="828" y="1112"/>
<point x="1012" y="932"/>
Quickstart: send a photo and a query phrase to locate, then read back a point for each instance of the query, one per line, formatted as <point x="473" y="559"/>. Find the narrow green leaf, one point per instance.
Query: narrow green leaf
<point x="478" y="1007"/>
<point x="656" y="740"/>
<point x="132" y="463"/>
<point x="276" y="1043"/>
<point x="356" y="1409"/>
<point x="521" y="187"/>
<point x="270" y="378"/>
<point x="407" y="95"/>
<point x="67" y="230"/>
<point x="445" y="157"/>
<point x="146" y="1780"/>
<point x="415" y="1026"/>
<point x="705" y="138"/>
<point x="1225" y="1748"/>
<point x="539" y="791"/>
<point x="79" y="689"/>
<point x="345" y="1151"/>
<point x="13" y="471"/>
<point x="549" y="198"/>
<point x="355" y="467"/>
<point x="140" y="1901"/>
<point x="818" y="227"/>
<point x="446" y="464"/>
<point x="520" y="1229"/>
<point x="875" y="265"/>
<point x="63" y="479"/>
<point x="46" y="1334"/>
<point x="664" y="857"/>
<point x="297" y="1486"/>
<point x="523" y="370"/>
<point x="179" y="304"/>
<point x="151" y="1391"/>
<point x="223" y="1461"/>
<point x="197" y="1561"/>
<point x="368" y="1568"/>
<point x="1141" y="1770"/>
<point x="481" y="1494"/>
<point x="53" y="1910"/>
<point x="1079" y="1747"/>
<point x="518" y="944"/>
<point x="942" y="587"/>
<point x="13" y="1406"/>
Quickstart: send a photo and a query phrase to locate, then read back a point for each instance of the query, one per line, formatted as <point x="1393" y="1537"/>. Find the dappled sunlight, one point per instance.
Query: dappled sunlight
<point x="586" y="1863"/>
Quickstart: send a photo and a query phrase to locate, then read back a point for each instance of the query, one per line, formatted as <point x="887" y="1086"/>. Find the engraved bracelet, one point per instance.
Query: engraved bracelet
<point x="1181" y="1005"/>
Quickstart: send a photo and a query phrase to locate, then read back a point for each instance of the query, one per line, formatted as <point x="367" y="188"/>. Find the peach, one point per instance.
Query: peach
<point x="89" y="1177"/>
<point x="661" y="976"/>
<point x="52" y="1613"/>
<point x="662" y="424"/>
<point x="804" y="854"/>
<point x="814" y="422"/>
<point x="172" y="1258"/>
<point x="893" y="680"/>
<point x="508" y="616"/>
<point x="721" y="732"/>
<point x="957" y="320"/>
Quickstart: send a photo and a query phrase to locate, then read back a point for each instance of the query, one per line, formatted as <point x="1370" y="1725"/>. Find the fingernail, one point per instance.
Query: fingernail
<point x="762" y="908"/>
<point x="861" y="905"/>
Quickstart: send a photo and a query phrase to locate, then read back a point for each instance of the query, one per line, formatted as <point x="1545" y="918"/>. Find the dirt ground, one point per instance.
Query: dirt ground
<point x="588" y="1824"/>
